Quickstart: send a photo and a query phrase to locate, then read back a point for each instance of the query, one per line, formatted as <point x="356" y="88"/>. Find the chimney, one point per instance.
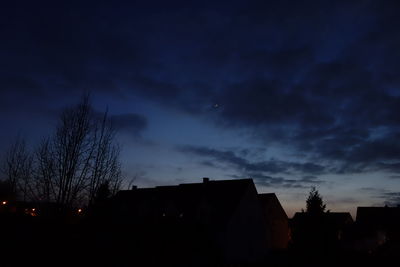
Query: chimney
<point x="134" y="187"/>
<point x="206" y="180"/>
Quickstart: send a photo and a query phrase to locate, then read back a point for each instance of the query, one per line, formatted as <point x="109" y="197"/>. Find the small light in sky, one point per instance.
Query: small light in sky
<point x="216" y="105"/>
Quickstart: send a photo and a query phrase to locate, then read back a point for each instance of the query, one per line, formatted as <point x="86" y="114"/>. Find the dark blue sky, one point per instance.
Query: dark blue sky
<point x="290" y="93"/>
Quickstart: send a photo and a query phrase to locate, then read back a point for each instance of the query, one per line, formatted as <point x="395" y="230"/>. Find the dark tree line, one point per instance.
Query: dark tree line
<point x="70" y="166"/>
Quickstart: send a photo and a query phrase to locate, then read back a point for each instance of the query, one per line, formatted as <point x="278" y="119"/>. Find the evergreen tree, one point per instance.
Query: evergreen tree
<point x="315" y="204"/>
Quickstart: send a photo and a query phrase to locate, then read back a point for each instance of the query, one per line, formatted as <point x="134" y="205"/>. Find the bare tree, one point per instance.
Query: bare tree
<point x="72" y="149"/>
<point x="45" y="172"/>
<point x="69" y="167"/>
<point x="106" y="168"/>
<point x="79" y="158"/>
<point x="17" y="166"/>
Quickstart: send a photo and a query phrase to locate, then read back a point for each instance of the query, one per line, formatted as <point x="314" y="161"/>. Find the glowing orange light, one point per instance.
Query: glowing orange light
<point x="79" y="210"/>
<point x="4" y="202"/>
<point x="33" y="209"/>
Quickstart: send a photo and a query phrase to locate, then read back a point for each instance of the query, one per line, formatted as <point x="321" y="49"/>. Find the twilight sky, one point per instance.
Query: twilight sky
<point x="290" y="93"/>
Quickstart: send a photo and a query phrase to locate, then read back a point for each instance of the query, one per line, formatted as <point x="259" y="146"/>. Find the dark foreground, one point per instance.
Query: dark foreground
<point x="30" y="241"/>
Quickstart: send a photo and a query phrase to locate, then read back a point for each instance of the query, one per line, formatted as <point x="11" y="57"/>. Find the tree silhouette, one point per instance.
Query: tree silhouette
<point x="17" y="166"/>
<point x="6" y="191"/>
<point x="79" y="157"/>
<point x="98" y="206"/>
<point x="315" y="204"/>
<point x="103" y="193"/>
<point x="68" y="167"/>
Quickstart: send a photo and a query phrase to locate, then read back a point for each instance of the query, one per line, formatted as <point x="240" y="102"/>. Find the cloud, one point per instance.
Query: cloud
<point x="272" y="181"/>
<point x="311" y="179"/>
<point x="260" y="171"/>
<point x="131" y="123"/>
<point x="391" y="198"/>
<point x="322" y="82"/>
<point x="270" y="166"/>
<point x="347" y="200"/>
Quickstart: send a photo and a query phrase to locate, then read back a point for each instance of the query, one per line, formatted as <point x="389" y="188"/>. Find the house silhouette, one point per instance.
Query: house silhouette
<point x="320" y="232"/>
<point x="222" y="221"/>
<point x="379" y="225"/>
<point x="277" y="221"/>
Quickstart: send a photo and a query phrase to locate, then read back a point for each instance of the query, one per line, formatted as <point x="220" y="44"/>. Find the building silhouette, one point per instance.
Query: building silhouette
<point x="277" y="221"/>
<point x="320" y="232"/>
<point x="224" y="221"/>
<point x="377" y="227"/>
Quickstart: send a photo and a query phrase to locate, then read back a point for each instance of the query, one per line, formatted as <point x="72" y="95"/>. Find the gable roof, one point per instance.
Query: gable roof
<point x="210" y="202"/>
<point x="273" y="207"/>
<point x="340" y="218"/>
<point x="337" y="219"/>
<point x="378" y="215"/>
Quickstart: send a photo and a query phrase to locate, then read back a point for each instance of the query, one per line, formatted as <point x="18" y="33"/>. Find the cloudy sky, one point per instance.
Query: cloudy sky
<point x="293" y="94"/>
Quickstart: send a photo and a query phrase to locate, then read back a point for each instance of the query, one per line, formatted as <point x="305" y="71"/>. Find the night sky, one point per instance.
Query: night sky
<point x="293" y="94"/>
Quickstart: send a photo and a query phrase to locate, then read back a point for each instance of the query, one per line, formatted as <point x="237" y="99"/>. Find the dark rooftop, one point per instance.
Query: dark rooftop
<point x="210" y="201"/>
